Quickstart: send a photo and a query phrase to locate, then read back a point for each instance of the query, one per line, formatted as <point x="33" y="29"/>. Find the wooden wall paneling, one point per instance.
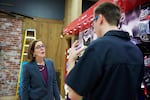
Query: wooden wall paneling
<point x="29" y="23"/>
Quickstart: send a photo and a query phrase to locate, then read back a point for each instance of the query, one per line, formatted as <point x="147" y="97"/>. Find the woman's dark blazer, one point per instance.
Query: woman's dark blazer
<point x="34" y="85"/>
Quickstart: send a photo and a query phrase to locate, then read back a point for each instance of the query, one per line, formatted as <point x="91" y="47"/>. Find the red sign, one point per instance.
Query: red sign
<point x="84" y="21"/>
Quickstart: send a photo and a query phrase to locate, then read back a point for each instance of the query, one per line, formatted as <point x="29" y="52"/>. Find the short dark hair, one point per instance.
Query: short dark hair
<point x="110" y="11"/>
<point x="31" y="49"/>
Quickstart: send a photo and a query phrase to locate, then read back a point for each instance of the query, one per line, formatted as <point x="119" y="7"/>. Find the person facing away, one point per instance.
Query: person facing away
<point x="39" y="78"/>
<point x="111" y="67"/>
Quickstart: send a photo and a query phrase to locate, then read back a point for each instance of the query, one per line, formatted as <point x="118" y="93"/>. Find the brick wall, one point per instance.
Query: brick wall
<point x="10" y="53"/>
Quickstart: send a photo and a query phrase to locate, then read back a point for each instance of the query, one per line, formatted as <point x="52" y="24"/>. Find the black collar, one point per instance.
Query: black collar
<point x="118" y="33"/>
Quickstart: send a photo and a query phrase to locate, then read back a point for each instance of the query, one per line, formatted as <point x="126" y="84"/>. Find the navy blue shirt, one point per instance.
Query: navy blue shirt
<point x="110" y="69"/>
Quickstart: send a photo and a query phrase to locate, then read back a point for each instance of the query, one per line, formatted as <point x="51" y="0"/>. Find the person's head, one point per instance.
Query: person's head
<point x="105" y="15"/>
<point x="36" y="50"/>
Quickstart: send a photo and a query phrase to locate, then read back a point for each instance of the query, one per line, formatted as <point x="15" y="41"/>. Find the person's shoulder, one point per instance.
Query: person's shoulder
<point x="99" y="45"/>
<point x="98" y="41"/>
<point x="30" y="63"/>
<point x="27" y="64"/>
<point x="48" y="60"/>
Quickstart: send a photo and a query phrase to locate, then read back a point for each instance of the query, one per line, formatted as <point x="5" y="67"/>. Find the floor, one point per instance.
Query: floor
<point x="13" y="98"/>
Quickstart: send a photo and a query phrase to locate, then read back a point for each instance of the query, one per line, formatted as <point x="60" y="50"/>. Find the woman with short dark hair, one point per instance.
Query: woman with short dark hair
<point x="39" y="79"/>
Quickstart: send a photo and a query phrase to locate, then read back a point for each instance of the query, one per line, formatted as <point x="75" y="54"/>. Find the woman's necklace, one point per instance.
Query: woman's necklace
<point x="41" y="67"/>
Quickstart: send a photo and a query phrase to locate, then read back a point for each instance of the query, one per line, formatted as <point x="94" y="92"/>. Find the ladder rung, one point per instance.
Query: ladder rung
<point x="30" y="37"/>
<point x="30" y="30"/>
<point x="25" y="54"/>
<point x="26" y="45"/>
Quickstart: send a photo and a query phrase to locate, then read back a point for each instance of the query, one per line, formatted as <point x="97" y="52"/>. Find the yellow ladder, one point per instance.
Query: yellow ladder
<point x="30" y="35"/>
